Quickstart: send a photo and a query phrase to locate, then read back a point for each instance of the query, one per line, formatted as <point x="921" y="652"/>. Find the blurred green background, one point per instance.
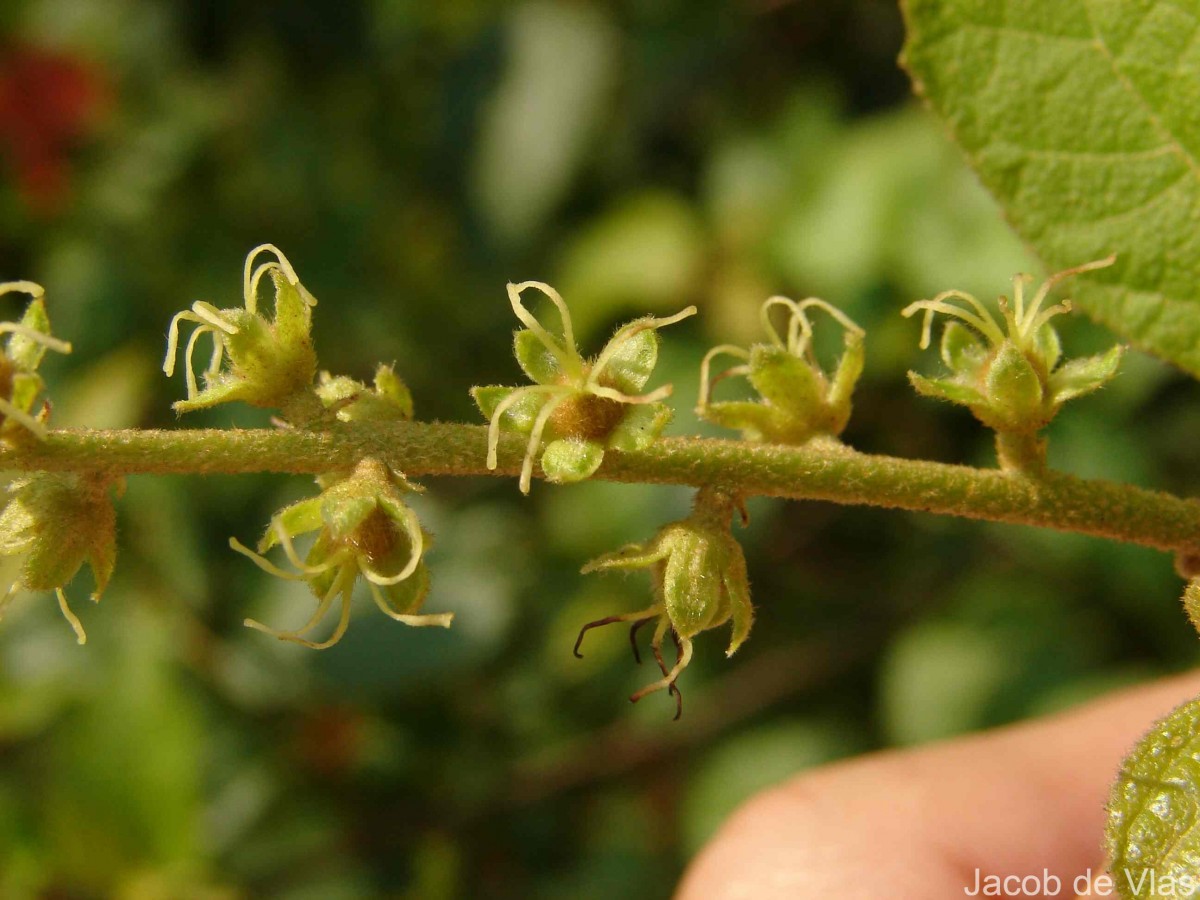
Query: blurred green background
<point x="411" y="158"/>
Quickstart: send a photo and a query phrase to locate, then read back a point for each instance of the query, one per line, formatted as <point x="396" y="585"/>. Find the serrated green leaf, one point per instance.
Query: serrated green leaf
<point x="1082" y="376"/>
<point x="569" y="460"/>
<point x="1079" y="117"/>
<point x="1151" y="833"/>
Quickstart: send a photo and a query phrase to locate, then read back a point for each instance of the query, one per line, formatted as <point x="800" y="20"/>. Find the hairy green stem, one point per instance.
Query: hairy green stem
<point x="816" y="471"/>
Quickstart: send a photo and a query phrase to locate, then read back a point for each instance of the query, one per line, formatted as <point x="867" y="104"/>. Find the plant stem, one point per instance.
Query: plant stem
<point x="816" y="471"/>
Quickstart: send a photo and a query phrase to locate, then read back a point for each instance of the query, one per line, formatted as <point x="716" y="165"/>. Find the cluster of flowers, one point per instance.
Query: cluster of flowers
<point x="574" y="412"/>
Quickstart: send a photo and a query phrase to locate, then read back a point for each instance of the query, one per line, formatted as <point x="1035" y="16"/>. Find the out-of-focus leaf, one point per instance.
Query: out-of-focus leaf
<point x="560" y="69"/>
<point x="644" y="254"/>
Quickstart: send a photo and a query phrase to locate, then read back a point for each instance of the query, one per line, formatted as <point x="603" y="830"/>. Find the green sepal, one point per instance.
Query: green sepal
<point x="219" y="389"/>
<point x="631" y="556"/>
<point x="633" y="358"/>
<point x="737" y="590"/>
<point x="293" y="311"/>
<point x="1014" y="391"/>
<point x="1048" y="347"/>
<point x="962" y="350"/>
<point x="785" y="381"/>
<point x="344" y="511"/>
<point x="945" y="389"/>
<point x="25" y="389"/>
<point x="1077" y="377"/>
<point x="391" y="388"/>
<point x="640" y="427"/>
<point x="536" y="360"/>
<point x="569" y="460"/>
<point x="845" y="378"/>
<point x="299" y="518"/>
<point x="519" y="416"/>
<point x="756" y="421"/>
<point x="27" y="354"/>
<point x="692" y="589"/>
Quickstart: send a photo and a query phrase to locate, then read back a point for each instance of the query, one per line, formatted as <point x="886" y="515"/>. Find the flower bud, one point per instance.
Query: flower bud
<point x="700" y="583"/>
<point x="798" y="400"/>
<point x="584" y="407"/>
<point x="265" y="363"/>
<point x="55" y="522"/>
<point x="363" y="527"/>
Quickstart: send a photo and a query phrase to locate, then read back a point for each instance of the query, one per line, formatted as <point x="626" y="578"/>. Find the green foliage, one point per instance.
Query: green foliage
<point x="1076" y="115"/>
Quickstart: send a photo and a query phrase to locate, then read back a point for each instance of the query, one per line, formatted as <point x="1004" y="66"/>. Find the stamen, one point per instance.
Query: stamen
<point x="1047" y="314"/>
<point x="210" y="315"/>
<point x="33" y="425"/>
<point x="33" y="289"/>
<point x="289" y="550"/>
<point x="613" y="394"/>
<point x="255" y="280"/>
<point x="764" y="314"/>
<point x="842" y="319"/>
<point x="983" y="321"/>
<point x="76" y="625"/>
<point x="189" y="371"/>
<point x="504" y="405"/>
<point x="173" y="339"/>
<point x="706" y="386"/>
<point x="1058" y="277"/>
<point x="535" y="441"/>
<point x="417" y="620"/>
<point x="566" y="353"/>
<point x="38" y="337"/>
<point x="262" y="562"/>
<point x="416" y="538"/>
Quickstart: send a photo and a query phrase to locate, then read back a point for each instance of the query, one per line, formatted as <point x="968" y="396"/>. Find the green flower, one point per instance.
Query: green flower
<point x="26" y="343"/>
<point x="700" y="583"/>
<point x="798" y="400"/>
<point x="55" y="522"/>
<point x="363" y="528"/>
<point x="1009" y="374"/>
<point x="583" y="406"/>
<point x="262" y="362"/>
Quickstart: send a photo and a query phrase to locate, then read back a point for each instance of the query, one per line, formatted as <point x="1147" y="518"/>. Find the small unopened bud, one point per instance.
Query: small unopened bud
<point x="352" y="401"/>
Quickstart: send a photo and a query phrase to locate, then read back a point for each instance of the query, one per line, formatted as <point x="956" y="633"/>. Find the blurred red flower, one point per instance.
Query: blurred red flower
<point x="49" y="102"/>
